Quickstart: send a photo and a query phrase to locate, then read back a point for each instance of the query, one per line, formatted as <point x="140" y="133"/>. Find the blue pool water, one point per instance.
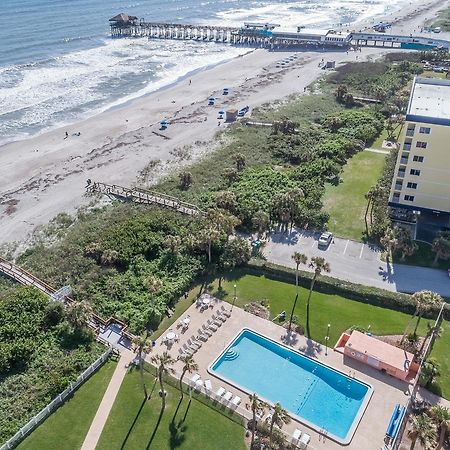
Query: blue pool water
<point x="317" y="394"/>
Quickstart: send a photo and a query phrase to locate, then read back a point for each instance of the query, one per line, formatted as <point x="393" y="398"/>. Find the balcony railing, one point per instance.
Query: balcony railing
<point x="403" y="160"/>
<point x="406" y="146"/>
<point x="410" y="132"/>
<point x="398" y="187"/>
<point x="401" y="174"/>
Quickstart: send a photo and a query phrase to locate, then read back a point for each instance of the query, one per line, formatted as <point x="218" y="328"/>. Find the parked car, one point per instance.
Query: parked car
<point x="325" y="239"/>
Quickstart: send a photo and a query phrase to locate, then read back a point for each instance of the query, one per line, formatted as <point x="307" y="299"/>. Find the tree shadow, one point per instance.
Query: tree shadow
<point x="187" y="410"/>
<point x="176" y="411"/>
<point x="156" y="429"/>
<point x="132" y="425"/>
<point x="177" y="434"/>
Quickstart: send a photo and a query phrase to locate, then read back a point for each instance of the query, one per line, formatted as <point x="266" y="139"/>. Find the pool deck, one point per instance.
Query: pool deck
<point x="387" y="391"/>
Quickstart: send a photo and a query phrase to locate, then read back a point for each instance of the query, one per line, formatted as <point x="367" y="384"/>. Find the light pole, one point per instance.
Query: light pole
<point x="234" y="298"/>
<point x="327" y="337"/>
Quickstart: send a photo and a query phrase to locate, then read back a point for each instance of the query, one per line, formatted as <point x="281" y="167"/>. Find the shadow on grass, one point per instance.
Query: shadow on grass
<point x="177" y="434"/>
<point x="132" y="425"/>
<point x="156" y="429"/>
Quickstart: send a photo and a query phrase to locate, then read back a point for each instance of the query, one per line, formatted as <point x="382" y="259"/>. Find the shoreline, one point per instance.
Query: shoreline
<point x="46" y="174"/>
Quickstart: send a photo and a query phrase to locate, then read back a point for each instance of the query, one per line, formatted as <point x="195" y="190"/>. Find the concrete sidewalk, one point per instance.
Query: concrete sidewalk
<point x="97" y="425"/>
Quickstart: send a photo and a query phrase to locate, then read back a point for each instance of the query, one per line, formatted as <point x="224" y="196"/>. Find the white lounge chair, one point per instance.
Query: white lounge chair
<point x="304" y="440"/>
<point x="211" y="325"/>
<point x="236" y="400"/>
<point x="208" y="385"/>
<point x="220" y="316"/>
<point x="296" y="435"/>
<point x="206" y="331"/>
<point x="195" y="378"/>
<point x="220" y="392"/>
<point x="216" y="320"/>
<point x="199" y="384"/>
<point x="227" y="396"/>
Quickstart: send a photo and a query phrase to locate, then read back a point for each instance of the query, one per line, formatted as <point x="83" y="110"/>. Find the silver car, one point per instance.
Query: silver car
<point x="325" y="239"/>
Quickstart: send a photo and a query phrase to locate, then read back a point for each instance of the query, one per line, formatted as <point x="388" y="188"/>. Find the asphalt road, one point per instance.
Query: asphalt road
<point x="356" y="262"/>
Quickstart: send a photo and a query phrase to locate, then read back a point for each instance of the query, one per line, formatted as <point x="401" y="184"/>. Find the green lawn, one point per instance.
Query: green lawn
<point x="346" y="203"/>
<point x="339" y="312"/>
<point x="66" y="428"/>
<point x="137" y="424"/>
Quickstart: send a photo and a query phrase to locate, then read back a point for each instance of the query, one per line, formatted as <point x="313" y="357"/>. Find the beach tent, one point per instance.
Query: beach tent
<point x="226" y="91"/>
<point x="220" y="114"/>
<point x="211" y="101"/>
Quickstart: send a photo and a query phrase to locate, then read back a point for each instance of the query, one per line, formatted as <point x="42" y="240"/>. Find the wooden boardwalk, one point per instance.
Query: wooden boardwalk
<point x="26" y="278"/>
<point x="145" y="197"/>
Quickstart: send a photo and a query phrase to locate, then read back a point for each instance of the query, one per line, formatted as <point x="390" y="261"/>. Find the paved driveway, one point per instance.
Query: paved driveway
<point x="356" y="262"/>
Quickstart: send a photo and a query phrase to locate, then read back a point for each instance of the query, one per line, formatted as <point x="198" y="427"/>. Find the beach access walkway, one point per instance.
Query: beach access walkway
<point x="101" y="416"/>
<point x="143" y="196"/>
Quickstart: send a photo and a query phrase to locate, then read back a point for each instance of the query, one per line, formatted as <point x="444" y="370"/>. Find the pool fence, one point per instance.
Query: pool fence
<point x="14" y="441"/>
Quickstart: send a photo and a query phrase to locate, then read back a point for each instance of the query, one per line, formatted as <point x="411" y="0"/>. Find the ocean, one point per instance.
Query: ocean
<point x="59" y="65"/>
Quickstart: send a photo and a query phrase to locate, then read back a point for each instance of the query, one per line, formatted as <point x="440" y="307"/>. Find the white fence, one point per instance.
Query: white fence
<point x="55" y="403"/>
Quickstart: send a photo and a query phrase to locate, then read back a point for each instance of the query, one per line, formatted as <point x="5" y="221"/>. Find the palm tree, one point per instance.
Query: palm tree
<point x="425" y="301"/>
<point x="186" y="179"/>
<point x="239" y="159"/>
<point x="143" y="345"/>
<point x="421" y="429"/>
<point x="428" y="373"/>
<point x="279" y="417"/>
<point x="319" y="265"/>
<point x="441" y="248"/>
<point x="432" y="329"/>
<point x="226" y="200"/>
<point x="205" y="239"/>
<point x="261" y="221"/>
<point x="163" y="363"/>
<point x="299" y="258"/>
<point x="189" y="366"/>
<point x="369" y="197"/>
<point x="441" y="417"/>
<point x="389" y="242"/>
<point x="78" y="313"/>
<point x="256" y="405"/>
<point x="173" y="243"/>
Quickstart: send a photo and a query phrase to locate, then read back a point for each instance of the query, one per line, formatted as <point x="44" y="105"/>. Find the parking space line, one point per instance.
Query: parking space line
<point x="346" y="245"/>
<point x="361" y="252"/>
<point x="313" y="244"/>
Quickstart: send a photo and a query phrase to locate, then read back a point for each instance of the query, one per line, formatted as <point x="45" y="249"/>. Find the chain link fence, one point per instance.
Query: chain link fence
<point x="55" y="403"/>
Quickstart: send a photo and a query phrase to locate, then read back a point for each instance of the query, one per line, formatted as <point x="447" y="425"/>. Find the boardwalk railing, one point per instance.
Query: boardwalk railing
<point x="26" y="278"/>
<point x="145" y="197"/>
<point x="55" y="403"/>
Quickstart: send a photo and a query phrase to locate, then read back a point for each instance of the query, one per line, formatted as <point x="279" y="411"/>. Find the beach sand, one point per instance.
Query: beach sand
<point x="46" y="174"/>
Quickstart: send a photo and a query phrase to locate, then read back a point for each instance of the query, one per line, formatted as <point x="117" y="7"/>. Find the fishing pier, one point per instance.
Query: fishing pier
<point x="268" y="35"/>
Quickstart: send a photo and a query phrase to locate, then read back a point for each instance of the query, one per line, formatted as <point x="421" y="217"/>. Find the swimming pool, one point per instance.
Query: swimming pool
<point x="316" y="394"/>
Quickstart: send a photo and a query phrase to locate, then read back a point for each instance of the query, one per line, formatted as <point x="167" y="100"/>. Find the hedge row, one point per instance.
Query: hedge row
<point x="328" y="285"/>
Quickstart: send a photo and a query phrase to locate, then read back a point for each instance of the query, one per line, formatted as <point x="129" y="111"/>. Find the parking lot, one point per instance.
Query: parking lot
<point x="356" y="262"/>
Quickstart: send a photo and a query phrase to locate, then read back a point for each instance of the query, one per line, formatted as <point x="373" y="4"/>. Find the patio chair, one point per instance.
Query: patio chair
<point x="235" y="402"/>
<point x="304" y="440"/>
<point x="211" y="325"/>
<point x="195" y="378"/>
<point x="216" y="320"/>
<point x="208" y="385"/>
<point x="188" y="350"/>
<point x="201" y="335"/>
<point x="196" y="341"/>
<point x="227" y="396"/>
<point x="225" y="312"/>
<point x="220" y="392"/>
<point x="221" y="316"/>
<point x="296" y="435"/>
<point x="206" y="331"/>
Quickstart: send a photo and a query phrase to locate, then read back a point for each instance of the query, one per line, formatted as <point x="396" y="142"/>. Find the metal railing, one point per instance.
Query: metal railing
<point x="55" y="403"/>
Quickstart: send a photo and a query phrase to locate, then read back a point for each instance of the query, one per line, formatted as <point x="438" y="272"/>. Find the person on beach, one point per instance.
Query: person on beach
<point x="67" y="135"/>
<point x="190" y="82"/>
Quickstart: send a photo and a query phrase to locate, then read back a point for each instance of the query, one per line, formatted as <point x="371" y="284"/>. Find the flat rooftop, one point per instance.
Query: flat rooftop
<point x="386" y="353"/>
<point x="430" y="98"/>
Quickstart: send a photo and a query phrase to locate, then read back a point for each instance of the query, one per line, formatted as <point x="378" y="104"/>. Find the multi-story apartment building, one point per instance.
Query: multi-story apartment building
<point x="421" y="180"/>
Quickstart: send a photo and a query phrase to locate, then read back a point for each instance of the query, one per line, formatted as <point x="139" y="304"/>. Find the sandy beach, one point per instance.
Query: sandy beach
<point x="45" y="175"/>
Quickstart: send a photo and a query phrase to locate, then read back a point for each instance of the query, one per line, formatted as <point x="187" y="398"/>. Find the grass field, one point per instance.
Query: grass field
<point x="190" y="425"/>
<point x="339" y="312"/>
<point x="346" y="203"/>
<point x="66" y="428"/>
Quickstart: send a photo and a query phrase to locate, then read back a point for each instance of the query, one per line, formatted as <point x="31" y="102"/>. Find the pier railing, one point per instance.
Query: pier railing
<point x="144" y="196"/>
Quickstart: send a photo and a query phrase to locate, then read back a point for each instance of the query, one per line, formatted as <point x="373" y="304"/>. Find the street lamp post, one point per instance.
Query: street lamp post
<point x="327" y="337"/>
<point x="234" y="298"/>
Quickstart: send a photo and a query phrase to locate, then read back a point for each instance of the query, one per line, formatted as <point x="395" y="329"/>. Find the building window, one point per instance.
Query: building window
<point x="411" y="185"/>
<point x="425" y="130"/>
<point x="418" y="158"/>
<point x="421" y="144"/>
<point x="414" y="172"/>
<point x="409" y="198"/>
